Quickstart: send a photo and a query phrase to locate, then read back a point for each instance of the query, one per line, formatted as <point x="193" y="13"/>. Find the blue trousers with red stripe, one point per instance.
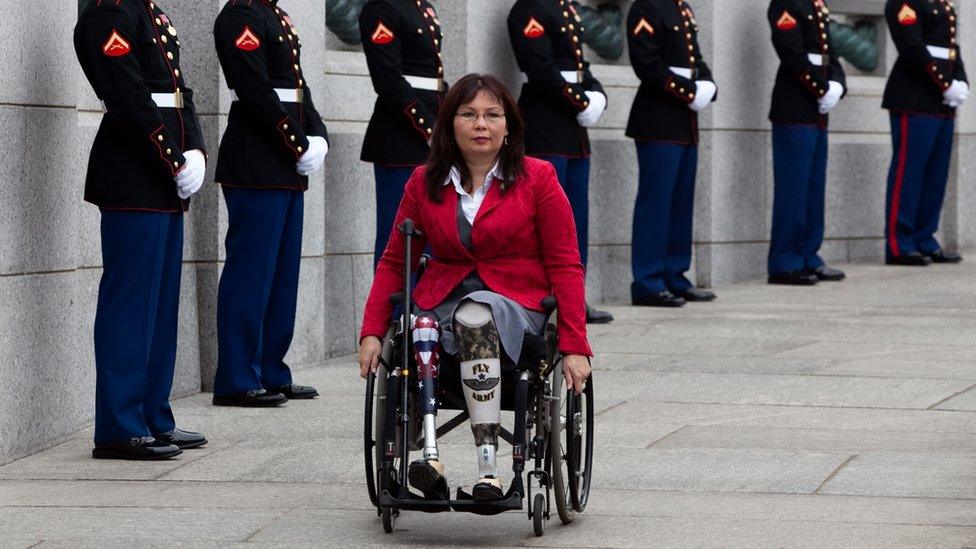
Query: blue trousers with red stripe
<point x="574" y="176"/>
<point x="917" y="182"/>
<point x="258" y="291"/>
<point x="390" y="183"/>
<point x="136" y="323"/>
<point x="799" y="187"/>
<point x="663" y="214"/>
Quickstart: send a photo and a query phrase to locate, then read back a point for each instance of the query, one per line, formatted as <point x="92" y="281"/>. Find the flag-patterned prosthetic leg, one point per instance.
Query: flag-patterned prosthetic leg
<point x="479" y="348"/>
<point x="427" y="474"/>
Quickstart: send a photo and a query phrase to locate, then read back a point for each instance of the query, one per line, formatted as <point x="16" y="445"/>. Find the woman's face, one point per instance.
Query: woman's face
<point x="480" y="127"/>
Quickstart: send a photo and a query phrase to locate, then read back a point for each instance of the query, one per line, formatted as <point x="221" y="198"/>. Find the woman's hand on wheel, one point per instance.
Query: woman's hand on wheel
<point x="576" y="370"/>
<point x="370" y="349"/>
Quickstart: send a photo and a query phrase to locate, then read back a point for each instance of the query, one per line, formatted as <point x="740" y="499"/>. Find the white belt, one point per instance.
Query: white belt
<point x="285" y="95"/>
<point x="424" y="83"/>
<point x="683" y="72"/>
<point x="573" y="77"/>
<point x="168" y="100"/>
<point x="940" y="52"/>
<point x="816" y="59"/>
<point x="162" y="100"/>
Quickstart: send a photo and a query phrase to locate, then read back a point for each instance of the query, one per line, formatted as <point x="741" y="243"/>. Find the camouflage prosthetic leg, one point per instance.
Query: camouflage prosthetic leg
<point x="427" y="474"/>
<point x="479" y="348"/>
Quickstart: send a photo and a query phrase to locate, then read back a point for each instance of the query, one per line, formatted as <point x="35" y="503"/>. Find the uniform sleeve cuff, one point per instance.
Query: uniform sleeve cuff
<point x="168" y="151"/>
<point x="421" y="123"/>
<point x="293" y="137"/>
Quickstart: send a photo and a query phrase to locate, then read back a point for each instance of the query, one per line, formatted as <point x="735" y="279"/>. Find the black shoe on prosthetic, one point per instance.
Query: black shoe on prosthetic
<point x="487" y="489"/>
<point x="427" y="477"/>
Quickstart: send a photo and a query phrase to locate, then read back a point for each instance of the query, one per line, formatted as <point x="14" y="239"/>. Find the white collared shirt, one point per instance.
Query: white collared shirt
<point x="471" y="203"/>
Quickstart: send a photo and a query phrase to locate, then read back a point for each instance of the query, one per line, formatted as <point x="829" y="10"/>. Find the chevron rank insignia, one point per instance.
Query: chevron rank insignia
<point x="907" y="16"/>
<point x="786" y="22"/>
<point x="643" y="26"/>
<point x="382" y="35"/>
<point x="116" y="46"/>
<point x="533" y="29"/>
<point x="247" y="41"/>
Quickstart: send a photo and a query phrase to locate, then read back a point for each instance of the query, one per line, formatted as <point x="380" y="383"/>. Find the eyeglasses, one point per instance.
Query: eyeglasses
<point x="471" y="117"/>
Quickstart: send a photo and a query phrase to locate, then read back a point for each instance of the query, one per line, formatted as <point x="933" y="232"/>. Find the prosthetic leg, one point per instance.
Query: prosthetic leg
<point x="427" y="474"/>
<point x="479" y="349"/>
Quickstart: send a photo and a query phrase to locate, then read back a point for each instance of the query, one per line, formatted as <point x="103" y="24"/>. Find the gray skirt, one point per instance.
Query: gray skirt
<point x="512" y="320"/>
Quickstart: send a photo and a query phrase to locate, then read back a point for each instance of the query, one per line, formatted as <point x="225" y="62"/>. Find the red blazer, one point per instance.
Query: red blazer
<point x="524" y="244"/>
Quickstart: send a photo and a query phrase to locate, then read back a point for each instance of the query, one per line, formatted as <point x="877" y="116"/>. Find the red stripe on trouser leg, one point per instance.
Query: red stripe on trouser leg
<point x="896" y="192"/>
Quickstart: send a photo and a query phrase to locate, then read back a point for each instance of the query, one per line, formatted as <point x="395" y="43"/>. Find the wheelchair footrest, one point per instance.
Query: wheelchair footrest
<point x="415" y="503"/>
<point x="512" y="501"/>
<point x="463" y="504"/>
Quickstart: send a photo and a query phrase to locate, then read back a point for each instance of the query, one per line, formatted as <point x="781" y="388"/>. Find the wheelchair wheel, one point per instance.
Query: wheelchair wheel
<point x="389" y="519"/>
<point x="372" y="433"/>
<point x="374" y="416"/>
<point x="558" y="455"/>
<point x="579" y="429"/>
<point x="539" y="515"/>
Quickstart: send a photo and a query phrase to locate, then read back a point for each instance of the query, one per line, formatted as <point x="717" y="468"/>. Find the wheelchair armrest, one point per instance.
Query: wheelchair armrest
<point x="549" y="304"/>
<point x="397" y="298"/>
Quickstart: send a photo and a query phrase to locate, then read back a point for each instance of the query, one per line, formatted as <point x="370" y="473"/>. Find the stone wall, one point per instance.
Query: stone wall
<point x="49" y="250"/>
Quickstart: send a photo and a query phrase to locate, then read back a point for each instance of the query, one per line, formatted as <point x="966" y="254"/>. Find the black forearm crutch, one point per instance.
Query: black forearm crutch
<point x="409" y="231"/>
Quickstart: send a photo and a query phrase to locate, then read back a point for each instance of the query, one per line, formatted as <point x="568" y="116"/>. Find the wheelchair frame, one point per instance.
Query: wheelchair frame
<point x="555" y="433"/>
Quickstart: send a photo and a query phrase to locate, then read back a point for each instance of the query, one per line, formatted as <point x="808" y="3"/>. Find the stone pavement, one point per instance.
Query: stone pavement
<point x="837" y="416"/>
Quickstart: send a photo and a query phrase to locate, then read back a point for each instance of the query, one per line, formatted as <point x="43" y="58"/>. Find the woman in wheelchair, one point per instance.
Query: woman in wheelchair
<point x="501" y="236"/>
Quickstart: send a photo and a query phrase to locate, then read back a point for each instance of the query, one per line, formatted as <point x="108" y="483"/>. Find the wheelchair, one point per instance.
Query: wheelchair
<point x="552" y="431"/>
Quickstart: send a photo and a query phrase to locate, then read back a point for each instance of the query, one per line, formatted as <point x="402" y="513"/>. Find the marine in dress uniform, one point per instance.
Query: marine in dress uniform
<point x="274" y="138"/>
<point x="560" y="98"/>
<point x="676" y="83"/>
<point x="402" y="40"/>
<point x="147" y="159"/>
<point x="926" y="85"/>
<point x="810" y="82"/>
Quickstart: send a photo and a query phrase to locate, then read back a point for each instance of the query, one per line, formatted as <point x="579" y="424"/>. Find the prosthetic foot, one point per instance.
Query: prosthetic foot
<point x="487" y="489"/>
<point x="479" y="348"/>
<point x="427" y="474"/>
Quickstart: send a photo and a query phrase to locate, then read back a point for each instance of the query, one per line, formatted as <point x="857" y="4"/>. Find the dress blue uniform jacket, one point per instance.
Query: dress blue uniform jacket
<point x="918" y="79"/>
<point x="129" y="50"/>
<point x="260" y="51"/>
<point x="801" y="33"/>
<point x="401" y="38"/>
<point x="664" y="34"/>
<point x="547" y="38"/>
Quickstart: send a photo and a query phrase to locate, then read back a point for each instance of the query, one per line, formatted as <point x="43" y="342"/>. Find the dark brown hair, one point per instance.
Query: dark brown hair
<point x="444" y="151"/>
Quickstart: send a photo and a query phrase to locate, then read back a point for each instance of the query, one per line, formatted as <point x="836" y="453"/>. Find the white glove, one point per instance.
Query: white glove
<point x="314" y="157"/>
<point x="598" y="104"/>
<point x="830" y="99"/>
<point x="703" y="97"/>
<point x="956" y="94"/>
<point x="190" y="178"/>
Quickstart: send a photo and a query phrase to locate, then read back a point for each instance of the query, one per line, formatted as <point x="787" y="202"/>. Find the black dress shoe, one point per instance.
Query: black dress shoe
<point x="794" y="278"/>
<point x="184" y="440"/>
<point x="139" y="448"/>
<point x="594" y="316"/>
<point x="830" y="275"/>
<point x="914" y="259"/>
<point x="660" y="299"/>
<point x="295" y="392"/>
<point x="258" y="398"/>
<point x="696" y="294"/>
<point x="943" y="256"/>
